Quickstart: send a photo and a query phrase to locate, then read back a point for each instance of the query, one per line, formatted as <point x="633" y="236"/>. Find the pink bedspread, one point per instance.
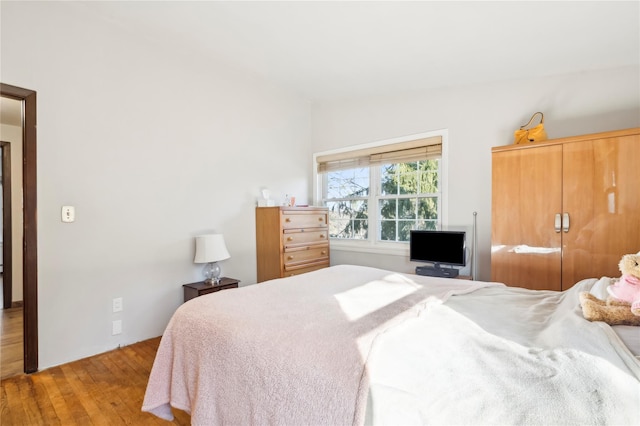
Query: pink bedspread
<point x="289" y="351"/>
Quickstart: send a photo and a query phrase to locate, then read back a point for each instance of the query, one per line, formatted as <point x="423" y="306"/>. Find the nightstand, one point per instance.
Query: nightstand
<point x="198" y="289"/>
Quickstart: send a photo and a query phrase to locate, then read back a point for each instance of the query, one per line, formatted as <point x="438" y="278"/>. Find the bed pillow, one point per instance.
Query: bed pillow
<point x="599" y="289"/>
<point x="630" y="337"/>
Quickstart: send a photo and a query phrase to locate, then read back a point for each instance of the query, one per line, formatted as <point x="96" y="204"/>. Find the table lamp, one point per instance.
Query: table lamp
<point x="211" y="249"/>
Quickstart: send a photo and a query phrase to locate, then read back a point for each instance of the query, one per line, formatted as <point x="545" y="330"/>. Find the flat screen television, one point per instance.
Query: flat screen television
<point x="439" y="248"/>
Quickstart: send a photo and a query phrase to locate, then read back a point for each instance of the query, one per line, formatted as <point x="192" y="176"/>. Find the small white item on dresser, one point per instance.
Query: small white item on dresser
<point x="266" y="203"/>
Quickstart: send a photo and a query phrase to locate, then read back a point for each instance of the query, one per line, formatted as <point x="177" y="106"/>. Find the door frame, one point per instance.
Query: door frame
<point x="30" y="223"/>
<point x="7" y="228"/>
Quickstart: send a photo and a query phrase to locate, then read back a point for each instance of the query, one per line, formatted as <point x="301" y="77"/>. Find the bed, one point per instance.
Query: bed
<point x="352" y="345"/>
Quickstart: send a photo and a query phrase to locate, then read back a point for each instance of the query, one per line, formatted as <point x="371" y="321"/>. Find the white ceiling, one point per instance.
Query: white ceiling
<point x="338" y="49"/>
<point x="329" y="50"/>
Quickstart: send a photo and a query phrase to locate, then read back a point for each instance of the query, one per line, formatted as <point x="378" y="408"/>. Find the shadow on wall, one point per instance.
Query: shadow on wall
<point x="583" y="125"/>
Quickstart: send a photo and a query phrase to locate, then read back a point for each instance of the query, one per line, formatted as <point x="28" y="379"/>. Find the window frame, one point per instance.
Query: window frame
<point x="371" y="245"/>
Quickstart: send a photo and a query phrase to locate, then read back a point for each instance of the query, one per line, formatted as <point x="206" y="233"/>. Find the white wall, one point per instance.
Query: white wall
<point x="478" y="118"/>
<point x="13" y="134"/>
<point x="152" y="147"/>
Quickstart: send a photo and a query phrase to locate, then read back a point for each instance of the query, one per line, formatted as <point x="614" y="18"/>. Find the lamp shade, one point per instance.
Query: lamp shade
<point x="210" y="248"/>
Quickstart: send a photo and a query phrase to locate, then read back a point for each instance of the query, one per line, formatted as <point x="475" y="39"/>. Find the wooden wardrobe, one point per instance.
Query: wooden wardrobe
<point x="564" y="210"/>
<point x="291" y="241"/>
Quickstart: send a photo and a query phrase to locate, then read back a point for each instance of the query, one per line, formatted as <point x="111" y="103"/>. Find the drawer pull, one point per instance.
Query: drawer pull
<point x="290" y="258"/>
<point x="323" y="252"/>
<point x="290" y="239"/>
<point x="321" y="219"/>
<point x="321" y="235"/>
<point x="288" y="219"/>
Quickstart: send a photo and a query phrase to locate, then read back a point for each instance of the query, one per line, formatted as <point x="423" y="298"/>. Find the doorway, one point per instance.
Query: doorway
<point x="30" y="240"/>
<point x="7" y="226"/>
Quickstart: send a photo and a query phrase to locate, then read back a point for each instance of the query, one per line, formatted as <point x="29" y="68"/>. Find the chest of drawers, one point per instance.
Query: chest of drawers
<point x="291" y="241"/>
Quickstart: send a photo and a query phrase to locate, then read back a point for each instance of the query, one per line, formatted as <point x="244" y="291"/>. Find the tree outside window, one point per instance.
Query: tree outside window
<point x="347" y="195"/>
<point x="405" y="196"/>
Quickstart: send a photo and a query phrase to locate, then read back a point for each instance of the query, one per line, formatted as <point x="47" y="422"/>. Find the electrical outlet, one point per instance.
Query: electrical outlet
<point x="117" y="304"/>
<point x="116" y="327"/>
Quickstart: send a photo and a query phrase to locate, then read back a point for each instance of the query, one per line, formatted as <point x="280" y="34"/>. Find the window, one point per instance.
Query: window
<point x="378" y="193"/>
<point x="347" y="196"/>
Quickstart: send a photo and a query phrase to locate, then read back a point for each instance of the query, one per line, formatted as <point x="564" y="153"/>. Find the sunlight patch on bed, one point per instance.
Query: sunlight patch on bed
<point x="374" y="295"/>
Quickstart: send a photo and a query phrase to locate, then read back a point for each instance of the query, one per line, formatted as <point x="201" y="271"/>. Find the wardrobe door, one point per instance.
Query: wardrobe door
<point x="526" y="199"/>
<point x="602" y="200"/>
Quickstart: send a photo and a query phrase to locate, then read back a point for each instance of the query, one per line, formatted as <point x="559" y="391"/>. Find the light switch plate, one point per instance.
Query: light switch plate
<point x="68" y="214"/>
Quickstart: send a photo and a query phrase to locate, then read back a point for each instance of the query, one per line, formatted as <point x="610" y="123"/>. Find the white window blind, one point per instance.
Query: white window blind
<point x="403" y="152"/>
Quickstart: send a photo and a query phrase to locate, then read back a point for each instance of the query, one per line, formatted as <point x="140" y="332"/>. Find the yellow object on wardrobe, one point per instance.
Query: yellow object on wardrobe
<point x="532" y="134"/>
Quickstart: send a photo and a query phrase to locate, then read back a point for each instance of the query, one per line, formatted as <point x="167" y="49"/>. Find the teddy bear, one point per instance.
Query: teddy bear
<point x="622" y="307"/>
<point x="627" y="289"/>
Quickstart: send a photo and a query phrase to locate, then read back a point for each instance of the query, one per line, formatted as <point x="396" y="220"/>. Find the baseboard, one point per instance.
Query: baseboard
<point x="18" y="304"/>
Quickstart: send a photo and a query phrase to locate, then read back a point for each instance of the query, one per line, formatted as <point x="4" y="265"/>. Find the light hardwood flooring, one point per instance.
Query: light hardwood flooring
<point x="105" y="389"/>
<point x="11" y="343"/>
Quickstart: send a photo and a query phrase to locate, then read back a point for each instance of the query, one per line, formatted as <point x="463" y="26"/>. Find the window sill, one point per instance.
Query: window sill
<point x="394" y="249"/>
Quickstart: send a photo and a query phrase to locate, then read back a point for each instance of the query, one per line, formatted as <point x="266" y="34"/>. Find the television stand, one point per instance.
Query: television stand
<point x="437" y="271"/>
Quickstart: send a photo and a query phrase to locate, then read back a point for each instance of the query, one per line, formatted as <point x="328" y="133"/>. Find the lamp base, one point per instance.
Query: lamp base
<point x="211" y="273"/>
<point x="212" y="281"/>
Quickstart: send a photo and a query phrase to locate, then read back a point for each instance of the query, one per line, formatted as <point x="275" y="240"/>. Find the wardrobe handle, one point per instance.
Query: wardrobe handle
<point x="558" y="222"/>
<point x="565" y="222"/>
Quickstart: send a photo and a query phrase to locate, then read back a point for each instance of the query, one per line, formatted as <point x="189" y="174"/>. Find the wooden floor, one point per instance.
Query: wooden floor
<point x="11" y="343"/>
<point x="105" y="389"/>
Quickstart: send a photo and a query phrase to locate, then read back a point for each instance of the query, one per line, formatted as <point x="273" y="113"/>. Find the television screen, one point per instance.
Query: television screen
<point x="446" y="247"/>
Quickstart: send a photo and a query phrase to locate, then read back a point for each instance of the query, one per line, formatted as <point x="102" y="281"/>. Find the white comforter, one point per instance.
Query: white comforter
<point x="504" y="356"/>
<point x="349" y="345"/>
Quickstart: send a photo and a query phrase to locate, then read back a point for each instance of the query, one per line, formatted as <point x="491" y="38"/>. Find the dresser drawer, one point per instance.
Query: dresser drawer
<point x="306" y="255"/>
<point x="200" y="288"/>
<point x="291" y="239"/>
<point x="314" y="219"/>
<point x="291" y="270"/>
